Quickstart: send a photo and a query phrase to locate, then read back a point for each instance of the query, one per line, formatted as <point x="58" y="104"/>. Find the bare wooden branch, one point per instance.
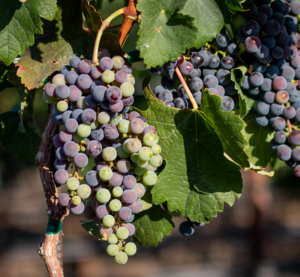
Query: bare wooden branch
<point x="51" y="248"/>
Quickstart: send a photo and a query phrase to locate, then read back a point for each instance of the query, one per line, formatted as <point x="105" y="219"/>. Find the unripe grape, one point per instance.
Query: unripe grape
<point x="108" y="221"/>
<point x="103" y="195"/>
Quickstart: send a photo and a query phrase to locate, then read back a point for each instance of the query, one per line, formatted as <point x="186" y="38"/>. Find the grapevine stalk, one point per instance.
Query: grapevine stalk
<point x="104" y="25"/>
<point x="186" y="88"/>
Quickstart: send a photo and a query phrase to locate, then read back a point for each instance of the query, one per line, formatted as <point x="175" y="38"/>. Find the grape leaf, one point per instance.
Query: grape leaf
<point x="54" y="56"/>
<point x="164" y="33"/>
<point x="93" y="18"/>
<point x="245" y="103"/>
<point x="206" y="13"/>
<point x="228" y="126"/>
<point x="19" y="23"/>
<point x="258" y="149"/>
<point x="151" y="225"/>
<point x="197" y="178"/>
<point x="235" y="5"/>
<point x="91" y="228"/>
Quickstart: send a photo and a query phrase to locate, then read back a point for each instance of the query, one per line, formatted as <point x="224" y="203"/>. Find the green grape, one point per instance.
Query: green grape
<point x="105" y="173"/>
<point x="145" y="153"/>
<point x="76" y="200"/>
<point x="138" y="170"/>
<point x="130" y="248"/>
<point x="141" y="163"/>
<point x="149" y="178"/>
<point x="94" y="125"/>
<point x="116" y="120"/>
<point x="84" y="130"/>
<point x="130" y="79"/>
<point x="108" y="221"/>
<point x="108" y="76"/>
<point x="103" y="118"/>
<point x="121" y="153"/>
<point x="150" y="167"/>
<point x="103" y="195"/>
<point x="134" y="157"/>
<point x="117" y="191"/>
<point x="109" y="154"/>
<point x="156" y="149"/>
<point x="62" y="106"/>
<point x="59" y="79"/>
<point x="156" y="160"/>
<point x="127" y="89"/>
<point x="112" y="239"/>
<point x="72" y="183"/>
<point x="84" y="191"/>
<point x="118" y="62"/>
<point x="123" y="126"/>
<point x="112" y="250"/>
<point x="132" y="145"/>
<point x="115" y="205"/>
<point x="121" y="258"/>
<point x="122" y="233"/>
<point x="150" y="139"/>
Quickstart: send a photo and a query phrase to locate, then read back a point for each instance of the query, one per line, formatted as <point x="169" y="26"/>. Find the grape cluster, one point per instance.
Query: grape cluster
<point x="270" y="41"/>
<point x="204" y="69"/>
<point x="104" y="155"/>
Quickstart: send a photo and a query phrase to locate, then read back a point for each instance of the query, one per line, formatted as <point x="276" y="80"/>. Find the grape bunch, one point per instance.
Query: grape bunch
<point x="105" y="155"/>
<point x="270" y="41"/>
<point x="208" y="68"/>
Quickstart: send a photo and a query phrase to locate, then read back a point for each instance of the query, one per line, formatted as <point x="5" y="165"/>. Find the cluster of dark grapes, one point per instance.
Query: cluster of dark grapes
<point x="270" y="41"/>
<point x="104" y="155"/>
<point x="205" y="69"/>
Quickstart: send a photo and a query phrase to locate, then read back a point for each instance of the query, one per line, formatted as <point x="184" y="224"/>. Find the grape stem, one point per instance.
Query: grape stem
<point x="290" y="127"/>
<point x="104" y="25"/>
<point x="186" y="88"/>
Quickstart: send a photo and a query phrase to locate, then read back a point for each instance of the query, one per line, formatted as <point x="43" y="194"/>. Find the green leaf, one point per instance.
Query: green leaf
<point x="19" y="23"/>
<point x="208" y="19"/>
<point x="91" y="228"/>
<point x="258" y="149"/>
<point x="235" y="5"/>
<point x="152" y="225"/>
<point x="228" y="126"/>
<point x="245" y="103"/>
<point x="93" y="18"/>
<point x="197" y="179"/>
<point x="164" y="34"/>
<point x="54" y="56"/>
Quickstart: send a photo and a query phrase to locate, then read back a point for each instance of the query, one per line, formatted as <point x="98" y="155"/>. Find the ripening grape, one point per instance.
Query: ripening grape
<point x="103" y="195"/>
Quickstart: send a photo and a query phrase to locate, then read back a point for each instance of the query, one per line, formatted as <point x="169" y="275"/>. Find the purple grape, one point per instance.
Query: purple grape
<point x="64" y="136"/>
<point x="76" y="114"/>
<point x="197" y="59"/>
<point x="85" y="67"/>
<point x="49" y="90"/>
<point x="256" y="79"/>
<point x="227" y="62"/>
<point x="57" y="142"/>
<point x="295" y="7"/>
<point x="251" y="28"/>
<point x="186" y="68"/>
<point x="125" y="213"/>
<point x="71" y="149"/>
<point x="88" y="116"/>
<point x="77" y="209"/>
<point x="64" y="199"/>
<point x="210" y="81"/>
<point x="262" y="121"/>
<point x="272" y="28"/>
<point x="136" y="207"/>
<point x="283" y="152"/>
<point x="297" y="171"/>
<point x="111" y="132"/>
<point x="106" y="63"/>
<point x="222" y="40"/>
<point x="262" y="108"/>
<point x="116" y="107"/>
<point x="59" y="154"/>
<point x="98" y="93"/>
<point x="84" y="81"/>
<point x="294" y="138"/>
<point x="223" y="76"/>
<point x="71" y="77"/>
<point x="272" y="71"/>
<point x="137" y="126"/>
<point x="75" y="93"/>
<point x="116" y="179"/>
<point x="133" y="115"/>
<point x="129" y="181"/>
<point x="296" y="62"/>
<point x="81" y="160"/>
<point x="62" y="91"/>
<point x="129" y="196"/>
<point x="279" y="83"/>
<point x="296" y="154"/>
<point x="280" y="137"/>
<point x="214" y="61"/>
<point x="277" y="52"/>
<point x="74" y="61"/>
<point x="276" y="109"/>
<point x="95" y="73"/>
<point x="261" y="18"/>
<point x="58" y="164"/>
<point x="289" y="112"/>
<point x="97" y="134"/>
<point x="71" y="125"/>
<point x="113" y="94"/>
<point x="270" y="42"/>
<point x="92" y="178"/>
<point x="278" y="123"/>
<point x="227" y="103"/>
<point x="128" y="101"/>
<point x="195" y="84"/>
<point x="61" y="176"/>
<point x="121" y="76"/>
<point x="180" y="103"/>
<point x="131" y="229"/>
<point x="266" y="85"/>
<point x="94" y="148"/>
<point x="123" y="166"/>
<point x="101" y="211"/>
<point x="252" y="44"/>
